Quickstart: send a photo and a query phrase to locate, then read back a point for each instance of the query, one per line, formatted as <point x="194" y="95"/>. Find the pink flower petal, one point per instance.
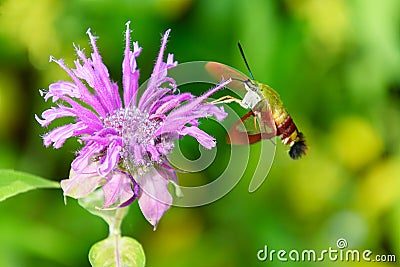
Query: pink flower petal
<point x="81" y="183"/>
<point x="202" y="137"/>
<point x="111" y="159"/>
<point x="62" y="133"/>
<point x="117" y="190"/>
<point x="54" y="113"/>
<point x="85" y="156"/>
<point x="154" y="199"/>
<point x="62" y="88"/>
<point x="130" y="75"/>
<point x="102" y="82"/>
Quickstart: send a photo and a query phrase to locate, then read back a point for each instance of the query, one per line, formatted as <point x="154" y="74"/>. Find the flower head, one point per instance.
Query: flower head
<point x="125" y="141"/>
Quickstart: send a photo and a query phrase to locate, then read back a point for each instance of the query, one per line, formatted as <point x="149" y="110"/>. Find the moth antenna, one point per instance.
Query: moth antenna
<point x="245" y="60"/>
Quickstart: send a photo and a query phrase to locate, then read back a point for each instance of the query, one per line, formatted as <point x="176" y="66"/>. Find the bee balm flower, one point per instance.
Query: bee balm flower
<point x="125" y="141"/>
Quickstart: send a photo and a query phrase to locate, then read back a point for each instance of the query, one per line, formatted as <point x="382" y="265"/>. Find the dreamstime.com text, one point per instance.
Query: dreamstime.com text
<point x="341" y="253"/>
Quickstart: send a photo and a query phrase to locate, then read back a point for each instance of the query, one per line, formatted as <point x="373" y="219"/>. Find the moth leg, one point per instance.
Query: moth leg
<point x="226" y="99"/>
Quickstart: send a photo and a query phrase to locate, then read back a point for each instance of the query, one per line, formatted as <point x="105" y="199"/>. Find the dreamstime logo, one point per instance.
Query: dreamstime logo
<point x="194" y="73"/>
<point x="341" y="243"/>
<point x="330" y="254"/>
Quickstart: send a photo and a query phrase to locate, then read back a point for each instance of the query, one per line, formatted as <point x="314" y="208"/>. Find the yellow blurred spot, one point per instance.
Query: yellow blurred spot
<point x="380" y="189"/>
<point x="313" y="183"/>
<point x="31" y="24"/>
<point x="11" y="107"/>
<point x="172" y="8"/>
<point x="328" y="20"/>
<point x="355" y="142"/>
<point x="179" y="231"/>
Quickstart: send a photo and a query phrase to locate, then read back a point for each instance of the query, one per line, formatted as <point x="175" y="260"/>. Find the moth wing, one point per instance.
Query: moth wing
<point x="221" y="71"/>
<point x="258" y="123"/>
<point x="255" y="125"/>
<point x="243" y="131"/>
<point x="265" y="120"/>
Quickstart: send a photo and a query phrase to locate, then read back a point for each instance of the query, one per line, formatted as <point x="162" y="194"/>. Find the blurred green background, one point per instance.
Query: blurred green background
<point x="336" y="65"/>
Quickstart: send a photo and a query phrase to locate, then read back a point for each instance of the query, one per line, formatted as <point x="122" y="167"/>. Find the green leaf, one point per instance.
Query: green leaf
<point x="117" y="251"/>
<point x="14" y="182"/>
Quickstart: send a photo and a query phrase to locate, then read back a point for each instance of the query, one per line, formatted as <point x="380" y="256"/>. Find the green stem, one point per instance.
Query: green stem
<point x="116" y="221"/>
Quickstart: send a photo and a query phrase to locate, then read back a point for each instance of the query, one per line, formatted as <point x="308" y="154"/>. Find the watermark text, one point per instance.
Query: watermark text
<point x="339" y="253"/>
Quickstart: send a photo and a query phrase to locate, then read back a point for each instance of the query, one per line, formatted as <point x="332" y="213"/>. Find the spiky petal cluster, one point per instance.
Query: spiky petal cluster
<point x="125" y="141"/>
